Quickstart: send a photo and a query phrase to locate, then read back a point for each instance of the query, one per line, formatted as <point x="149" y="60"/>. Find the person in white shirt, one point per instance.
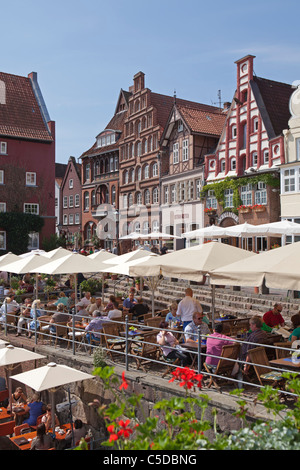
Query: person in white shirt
<point x="187" y="307"/>
<point x="86" y="300"/>
<point x="115" y="313"/>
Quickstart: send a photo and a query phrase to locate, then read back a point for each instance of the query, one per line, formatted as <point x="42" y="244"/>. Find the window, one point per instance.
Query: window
<point x="125" y="201"/>
<point x="113" y="194"/>
<point x="289" y="180"/>
<point x="211" y="200"/>
<point x="233" y="164"/>
<point x="30" y="178"/>
<point x="2" y="206"/>
<point x="111" y="164"/>
<point x="261" y="193"/>
<point x="77" y="218"/>
<point x="166" y="194"/>
<point x="147" y="196"/>
<point x="65" y="202"/>
<point x="33" y="240"/>
<point x="2" y="240"/>
<point x="139" y="173"/>
<point x="182" y="191"/>
<point x="228" y="193"/>
<point x="266" y="157"/>
<point x="76" y="200"/>
<point x="137" y="227"/>
<point x="31" y="208"/>
<point x="1" y="176"/>
<point x="132" y="175"/>
<point x="222" y="165"/>
<point x="198" y="188"/>
<point x="255" y="124"/>
<point x="180" y="125"/>
<point x="70" y="183"/>
<point x="233" y="132"/>
<point x="86" y="201"/>
<point x="298" y="149"/>
<point x="93" y="198"/>
<point x="71" y="200"/>
<point x="155" y="196"/>
<point x="246" y="195"/>
<point x="155" y="226"/>
<point x="254" y="159"/>
<point x="173" y="193"/>
<point x="3" y="148"/>
<point x="71" y="219"/>
<point x="146" y="228"/>
<point x="87" y="172"/>
<point x="185" y="150"/>
<point x="139" y="199"/>
<point x="155" y="169"/>
<point x="244" y="143"/>
<point x="126" y="177"/>
<point x="175" y="153"/>
<point x="146" y="171"/>
<point x="130" y="200"/>
<point x="65" y="219"/>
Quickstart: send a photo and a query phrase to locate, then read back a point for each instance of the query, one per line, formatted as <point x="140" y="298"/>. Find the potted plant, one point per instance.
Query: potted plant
<point x="244" y="209"/>
<point x="137" y="283"/>
<point x="210" y="210"/>
<point x="258" y="208"/>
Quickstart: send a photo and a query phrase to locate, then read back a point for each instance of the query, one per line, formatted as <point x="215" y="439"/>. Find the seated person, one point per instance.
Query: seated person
<point x="214" y="345"/>
<point x="273" y="317"/>
<point x="79" y="431"/>
<point x="25" y="315"/>
<point x="139" y="309"/>
<point x="115" y="313"/>
<point x="47" y="418"/>
<point x="10" y="306"/>
<point x="35" y="408"/>
<point x="18" y="397"/>
<point x="71" y="301"/>
<point x="94" y="326"/>
<point x="59" y="317"/>
<point x="80" y="311"/>
<point x="295" y="335"/>
<point x="86" y="300"/>
<point x="62" y="299"/>
<point x="34" y="308"/>
<point x="171" y="316"/>
<point x="257" y="335"/>
<point x="42" y="441"/>
<point x="191" y="330"/>
<point x="110" y="305"/>
<point x="92" y="306"/>
<point x="168" y="344"/>
<point x="130" y="302"/>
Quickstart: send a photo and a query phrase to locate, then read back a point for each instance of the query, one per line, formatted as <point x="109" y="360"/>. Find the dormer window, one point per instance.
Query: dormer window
<point x="180" y="126"/>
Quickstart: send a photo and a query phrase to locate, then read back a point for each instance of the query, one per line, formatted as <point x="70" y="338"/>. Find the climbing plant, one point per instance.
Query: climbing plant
<point x="235" y="184"/>
<point x="17" y="226"/>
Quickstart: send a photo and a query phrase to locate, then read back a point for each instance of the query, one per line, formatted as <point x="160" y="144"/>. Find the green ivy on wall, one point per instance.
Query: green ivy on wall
<point x="235" y="184"/>
<point x="18" y="226"/>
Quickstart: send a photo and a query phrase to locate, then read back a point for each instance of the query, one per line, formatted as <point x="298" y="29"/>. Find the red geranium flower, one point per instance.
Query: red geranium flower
<point x="124" y="430"/>
<point x="124" y="384"/>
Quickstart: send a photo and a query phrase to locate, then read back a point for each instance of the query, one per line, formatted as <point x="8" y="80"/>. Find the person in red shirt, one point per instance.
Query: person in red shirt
<point x="273" y="317"/>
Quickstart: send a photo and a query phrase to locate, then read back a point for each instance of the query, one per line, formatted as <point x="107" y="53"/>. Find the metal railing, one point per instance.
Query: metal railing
<point x="70" y="333"/>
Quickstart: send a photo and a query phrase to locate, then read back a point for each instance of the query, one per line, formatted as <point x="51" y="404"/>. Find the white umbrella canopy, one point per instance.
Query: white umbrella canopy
<point x="206" y="232"/>
<point x="140" y="253"/>
<point x="26" y="264"/>
<point x="131" y="236"/>
<point x="11" y="355"/>
<point x="72" y="263"/>
<point x="284" y="227"/>
<point x="50" y="376"/>
<point x="33" y="252"/>
<point x="279" y="268"/>
<point x="102" y="255"/>
<point x="57" y="253"/>
<point x="8" y="258"/>
<point x="156" y="235"/>
<point x="123" y="268"/>
<point x="241" y="230"/>
<point x="191" y="263"/>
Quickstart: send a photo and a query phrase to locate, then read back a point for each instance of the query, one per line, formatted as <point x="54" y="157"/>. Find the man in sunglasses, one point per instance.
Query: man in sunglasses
<point x="273" y="318"/>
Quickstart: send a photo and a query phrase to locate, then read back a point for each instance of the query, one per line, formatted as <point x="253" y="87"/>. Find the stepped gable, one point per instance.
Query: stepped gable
<point x="274" y="100"/>
<point x="20" y="115"/>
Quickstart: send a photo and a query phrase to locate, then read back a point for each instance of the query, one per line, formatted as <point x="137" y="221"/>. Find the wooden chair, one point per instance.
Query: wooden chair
<point x="7" y="429"/>
<point x="171" y="363"/>
<point x="260" y="362"/>
<point x="44" y="325"/>
<point x="61" y="330"/>
<point x="154" y="321"/>
<point x="281" y="352"/>
<point x="11" y="319"/>
<point x="145" y="351"/>
<point x="162" y="313"/>
<point x="38" y="421"/>
<point x="18" y="430"/>
<point x="224" y="366"/>
<point x="112" y="340"/>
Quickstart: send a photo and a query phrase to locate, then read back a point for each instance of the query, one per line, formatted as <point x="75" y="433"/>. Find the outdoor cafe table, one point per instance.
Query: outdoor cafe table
<point x="29" y="436"/>
<point x="285" y="362"/>
<point x="5" y="414"/>
<point x="192" y="349"/>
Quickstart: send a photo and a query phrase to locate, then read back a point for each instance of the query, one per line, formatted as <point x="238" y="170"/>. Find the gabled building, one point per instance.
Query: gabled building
<point x="290" y="169"/>
<point x="27" y="154"/>
<point x="192" y="131"/>
<point x="60" y="170"/>
<point x="70" y="204"/>
<point x="100" y="181"/>
<point x="242" y="175"/>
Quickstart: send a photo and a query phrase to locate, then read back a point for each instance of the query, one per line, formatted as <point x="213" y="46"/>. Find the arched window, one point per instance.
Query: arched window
<point x="113" y="194"/>
<point x="93" y="198"/>
<point x="155" y="169"/>
<point x="146" y="171"/>
<point x="132" y="175"/>
<point x="139" y="173"/>
<point x="147" y="196"/>
<point x="130" y="200"/>
<point x="139" y="198"/>
<point x="155" y="196"/>
<point x="86" y="201"/>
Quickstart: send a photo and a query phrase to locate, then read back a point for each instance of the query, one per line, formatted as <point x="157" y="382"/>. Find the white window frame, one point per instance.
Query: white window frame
<point x="30" y="178"/>
<point x="173" y="193"/>
<point x="34" y="208"/>
<point x="155" y="169"/>
<point x="71" y="183"/>
<point x="146" y="171"/>
<point x="77" y="218"/>
<point x="289" y="180"/>
<point x="155" y="195"/>
<point x="261" y="193"/>
<point x="1" y="176"/>
<point x="2" y="206"/>
<point x="166" y="194"/>
<point x="147" y="196"/>
<point x="3" y="148"/>
<point x="33" y="241"/>
<point x="222" y="165"/>
<point x="65" y="202"/>
<point x="2" y="240"/>
<point x="185" y="150"/>
<point x="254" y="159"/>
<point x="266" y="156"/>
<point x="71" y="219"/>
<point x="228" y="197"/>
<point x="77" y="200"/>
<point x="175" y="153"/>
<point x="71" y="200"/>
<point x="211" y="200"/>
<point x="246" y="195"/>
<point x="65" y="219"/>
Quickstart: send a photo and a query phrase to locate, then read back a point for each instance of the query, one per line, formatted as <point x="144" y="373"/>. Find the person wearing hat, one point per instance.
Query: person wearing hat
<point x="80" y="311"/>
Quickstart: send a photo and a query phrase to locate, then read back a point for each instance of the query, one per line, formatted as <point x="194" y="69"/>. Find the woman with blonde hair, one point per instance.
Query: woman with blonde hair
<point x="35" y="310"/>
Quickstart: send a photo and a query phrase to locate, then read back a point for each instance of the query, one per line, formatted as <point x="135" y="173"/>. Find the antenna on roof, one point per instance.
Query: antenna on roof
<point x="219" y="102"/>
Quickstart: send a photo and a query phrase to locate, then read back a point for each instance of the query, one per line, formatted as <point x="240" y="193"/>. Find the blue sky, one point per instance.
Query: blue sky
<point x="84" y="52"/>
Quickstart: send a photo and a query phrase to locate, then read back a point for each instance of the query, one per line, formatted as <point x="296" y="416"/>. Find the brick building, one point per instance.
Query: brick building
<point x="27" y="154"/>
<point x="242" y="175"/>
<point x="100" y="181"/>
<point x="70" y="204"/>
<point x="192" y="131"/>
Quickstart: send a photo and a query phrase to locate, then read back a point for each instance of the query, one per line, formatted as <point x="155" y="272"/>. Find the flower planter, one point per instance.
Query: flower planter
<point x="244" y="211"/>
<point x="259" y="209"/>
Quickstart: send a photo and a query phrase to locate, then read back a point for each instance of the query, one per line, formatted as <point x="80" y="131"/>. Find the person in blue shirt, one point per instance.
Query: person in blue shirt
<point x="35" y="408"/>
<point x="130" y="302"/>
<point x="295" y="335"/>
<point x="171" y="316"/>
